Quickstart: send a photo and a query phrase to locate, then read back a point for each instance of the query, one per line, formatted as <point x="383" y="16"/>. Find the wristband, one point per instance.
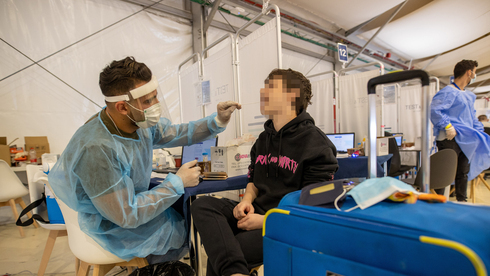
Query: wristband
<point x="448" y="126"/>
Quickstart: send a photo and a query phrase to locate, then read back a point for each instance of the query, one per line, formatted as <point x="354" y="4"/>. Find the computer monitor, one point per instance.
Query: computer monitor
<point x="194" y="151"/>
<point x="342" y="141"/>
<point x="398" y="139"/>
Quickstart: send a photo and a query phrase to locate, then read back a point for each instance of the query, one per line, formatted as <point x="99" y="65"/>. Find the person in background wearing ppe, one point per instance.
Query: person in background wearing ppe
<point x="484" y="120"/>
<point x="104" y="172"/>
<point x="290" y="154"/>
<point x="456" y="127"/>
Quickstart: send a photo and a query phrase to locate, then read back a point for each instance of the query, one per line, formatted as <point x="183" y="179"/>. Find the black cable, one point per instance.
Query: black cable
<point x="147" y="7"/>
<point x="50" y="73"/>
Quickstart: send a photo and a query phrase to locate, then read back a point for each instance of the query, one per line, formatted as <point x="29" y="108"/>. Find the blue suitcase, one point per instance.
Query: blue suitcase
<point x="385" y="239"/>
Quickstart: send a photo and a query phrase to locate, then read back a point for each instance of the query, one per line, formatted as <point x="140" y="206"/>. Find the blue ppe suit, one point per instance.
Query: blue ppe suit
<point x="105" y="178"/>
<point x="451" y="105"/>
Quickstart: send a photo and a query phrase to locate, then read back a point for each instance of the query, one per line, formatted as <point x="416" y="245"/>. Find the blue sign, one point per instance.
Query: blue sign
<point x="342" y="50"/>
<point x="451" y="79"/>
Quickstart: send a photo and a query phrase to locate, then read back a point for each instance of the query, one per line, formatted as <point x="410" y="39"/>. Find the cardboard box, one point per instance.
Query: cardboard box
<point x="4" y="150"/>
<point x="382" y="146"/>
<point x="39" y="143"/>
<point x="233" y="160"/>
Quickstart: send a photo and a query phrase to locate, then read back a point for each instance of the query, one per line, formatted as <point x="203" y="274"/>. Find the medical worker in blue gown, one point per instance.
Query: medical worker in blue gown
<point x="456" y="126"/>
<point x="104" y="172"/>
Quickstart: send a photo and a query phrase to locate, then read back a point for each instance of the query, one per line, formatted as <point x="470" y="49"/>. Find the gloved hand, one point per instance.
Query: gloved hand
<point x="189" y="173"/>
<point x="450" y="133"/>
<point x="225" y="109"/>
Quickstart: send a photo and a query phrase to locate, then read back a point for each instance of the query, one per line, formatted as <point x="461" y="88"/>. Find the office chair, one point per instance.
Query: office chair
<point x="395" y="168"/>
<point x="443" y="165"/>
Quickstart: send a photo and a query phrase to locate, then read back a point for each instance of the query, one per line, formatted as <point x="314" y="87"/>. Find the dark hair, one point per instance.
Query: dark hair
<point x="461" y="67"/>
<point x="123" y="75"/>
<point x="482" y="117"/>
<point x="295" y="79"/>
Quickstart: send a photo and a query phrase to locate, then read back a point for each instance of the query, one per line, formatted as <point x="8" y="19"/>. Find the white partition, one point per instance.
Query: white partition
<point x="189" y="99"/>
<point x="353" y="104"/>
<point x="218" y="70"/>
<point x="321" y="108"/>
<point x="258" y="54"/>
<point x="411" y="111"/>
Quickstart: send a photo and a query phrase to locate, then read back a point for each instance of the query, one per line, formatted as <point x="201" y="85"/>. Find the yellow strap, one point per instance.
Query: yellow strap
<point x="449" y="125"/>
<point x="463" y="249"/>
<point x="274" y="210"/>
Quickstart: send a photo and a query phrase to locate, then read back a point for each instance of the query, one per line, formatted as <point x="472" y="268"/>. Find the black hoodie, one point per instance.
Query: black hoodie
<point x="282" y="162"/>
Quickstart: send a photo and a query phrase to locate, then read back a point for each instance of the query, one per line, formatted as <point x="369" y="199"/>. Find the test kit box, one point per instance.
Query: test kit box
<point x="39" y="143"/>
<point x="233" y="160"/>
<point x="382" y="147"/>
<point x="4" y="150"/>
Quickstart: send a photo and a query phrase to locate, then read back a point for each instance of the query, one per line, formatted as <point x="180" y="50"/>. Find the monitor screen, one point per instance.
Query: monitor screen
<point x="342" y="141"/>
<point x="398" y="139"/>
<point x="192" y="152"/>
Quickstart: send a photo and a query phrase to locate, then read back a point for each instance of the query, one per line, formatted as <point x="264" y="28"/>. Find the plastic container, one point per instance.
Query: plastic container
<point x="162" y="161"/>
<point x="32" y="156"/>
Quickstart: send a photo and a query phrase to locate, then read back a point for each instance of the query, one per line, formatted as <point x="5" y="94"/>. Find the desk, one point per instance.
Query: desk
<point x="358" y="167"/>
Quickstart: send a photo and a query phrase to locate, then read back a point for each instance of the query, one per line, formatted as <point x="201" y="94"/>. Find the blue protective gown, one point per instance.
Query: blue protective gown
<point x="451" y="105"/>
<point x="105" y="178"/>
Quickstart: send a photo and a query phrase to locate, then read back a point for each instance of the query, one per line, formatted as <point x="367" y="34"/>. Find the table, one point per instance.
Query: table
<point x="358" y="166"/>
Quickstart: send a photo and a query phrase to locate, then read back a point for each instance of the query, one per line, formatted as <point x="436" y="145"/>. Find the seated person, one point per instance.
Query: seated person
<point x="290" y="154"/>
<point x="484" y="120"/>
<point x="104" y="172"/>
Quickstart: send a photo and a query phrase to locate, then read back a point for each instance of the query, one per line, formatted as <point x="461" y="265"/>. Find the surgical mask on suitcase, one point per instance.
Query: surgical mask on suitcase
<point x="375" y="190"/>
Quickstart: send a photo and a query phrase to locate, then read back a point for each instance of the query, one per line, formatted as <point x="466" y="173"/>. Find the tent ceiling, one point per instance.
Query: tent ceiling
<point x="450" y="29"/>
<point x="343" y="14"/>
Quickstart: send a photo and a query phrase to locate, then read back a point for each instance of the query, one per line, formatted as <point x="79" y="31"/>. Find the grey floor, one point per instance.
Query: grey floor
<point x="22" y="256"/>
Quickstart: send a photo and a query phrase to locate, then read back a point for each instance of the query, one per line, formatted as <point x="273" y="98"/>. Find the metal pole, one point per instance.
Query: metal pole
<point x="376" y="34"/>
<point x="372" y="135"/>
<point x="425" y="170"/>
<point x="211" y="15"/>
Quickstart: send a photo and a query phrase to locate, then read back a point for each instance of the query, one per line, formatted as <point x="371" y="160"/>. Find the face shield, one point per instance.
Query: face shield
<point x="146" y="104"/>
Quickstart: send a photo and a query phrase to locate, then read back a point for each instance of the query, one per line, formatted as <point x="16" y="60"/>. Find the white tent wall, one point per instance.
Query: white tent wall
<point x="353" y="101"/>
<point x="34" y="103"/>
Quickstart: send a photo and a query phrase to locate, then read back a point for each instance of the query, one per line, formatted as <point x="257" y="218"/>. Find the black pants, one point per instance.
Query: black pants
<point x="230" y="249"/>
<point x="461" y="181"/>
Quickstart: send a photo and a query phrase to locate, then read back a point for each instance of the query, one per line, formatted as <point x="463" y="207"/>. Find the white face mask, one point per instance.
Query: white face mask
<point x="152" y="116"/>
<point x="372" y="191"/>
<point x="473" y="79"/>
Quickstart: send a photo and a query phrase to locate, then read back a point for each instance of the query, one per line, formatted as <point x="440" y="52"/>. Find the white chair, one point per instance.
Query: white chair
<point x="12" y="191"/>
<point x="36" y="178"/>
<point x="87" y="251"/>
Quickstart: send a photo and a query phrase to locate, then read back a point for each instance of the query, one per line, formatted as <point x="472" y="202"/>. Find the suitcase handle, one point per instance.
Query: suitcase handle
<point x="397" y="77"/>
<point x="391" y="78"/>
